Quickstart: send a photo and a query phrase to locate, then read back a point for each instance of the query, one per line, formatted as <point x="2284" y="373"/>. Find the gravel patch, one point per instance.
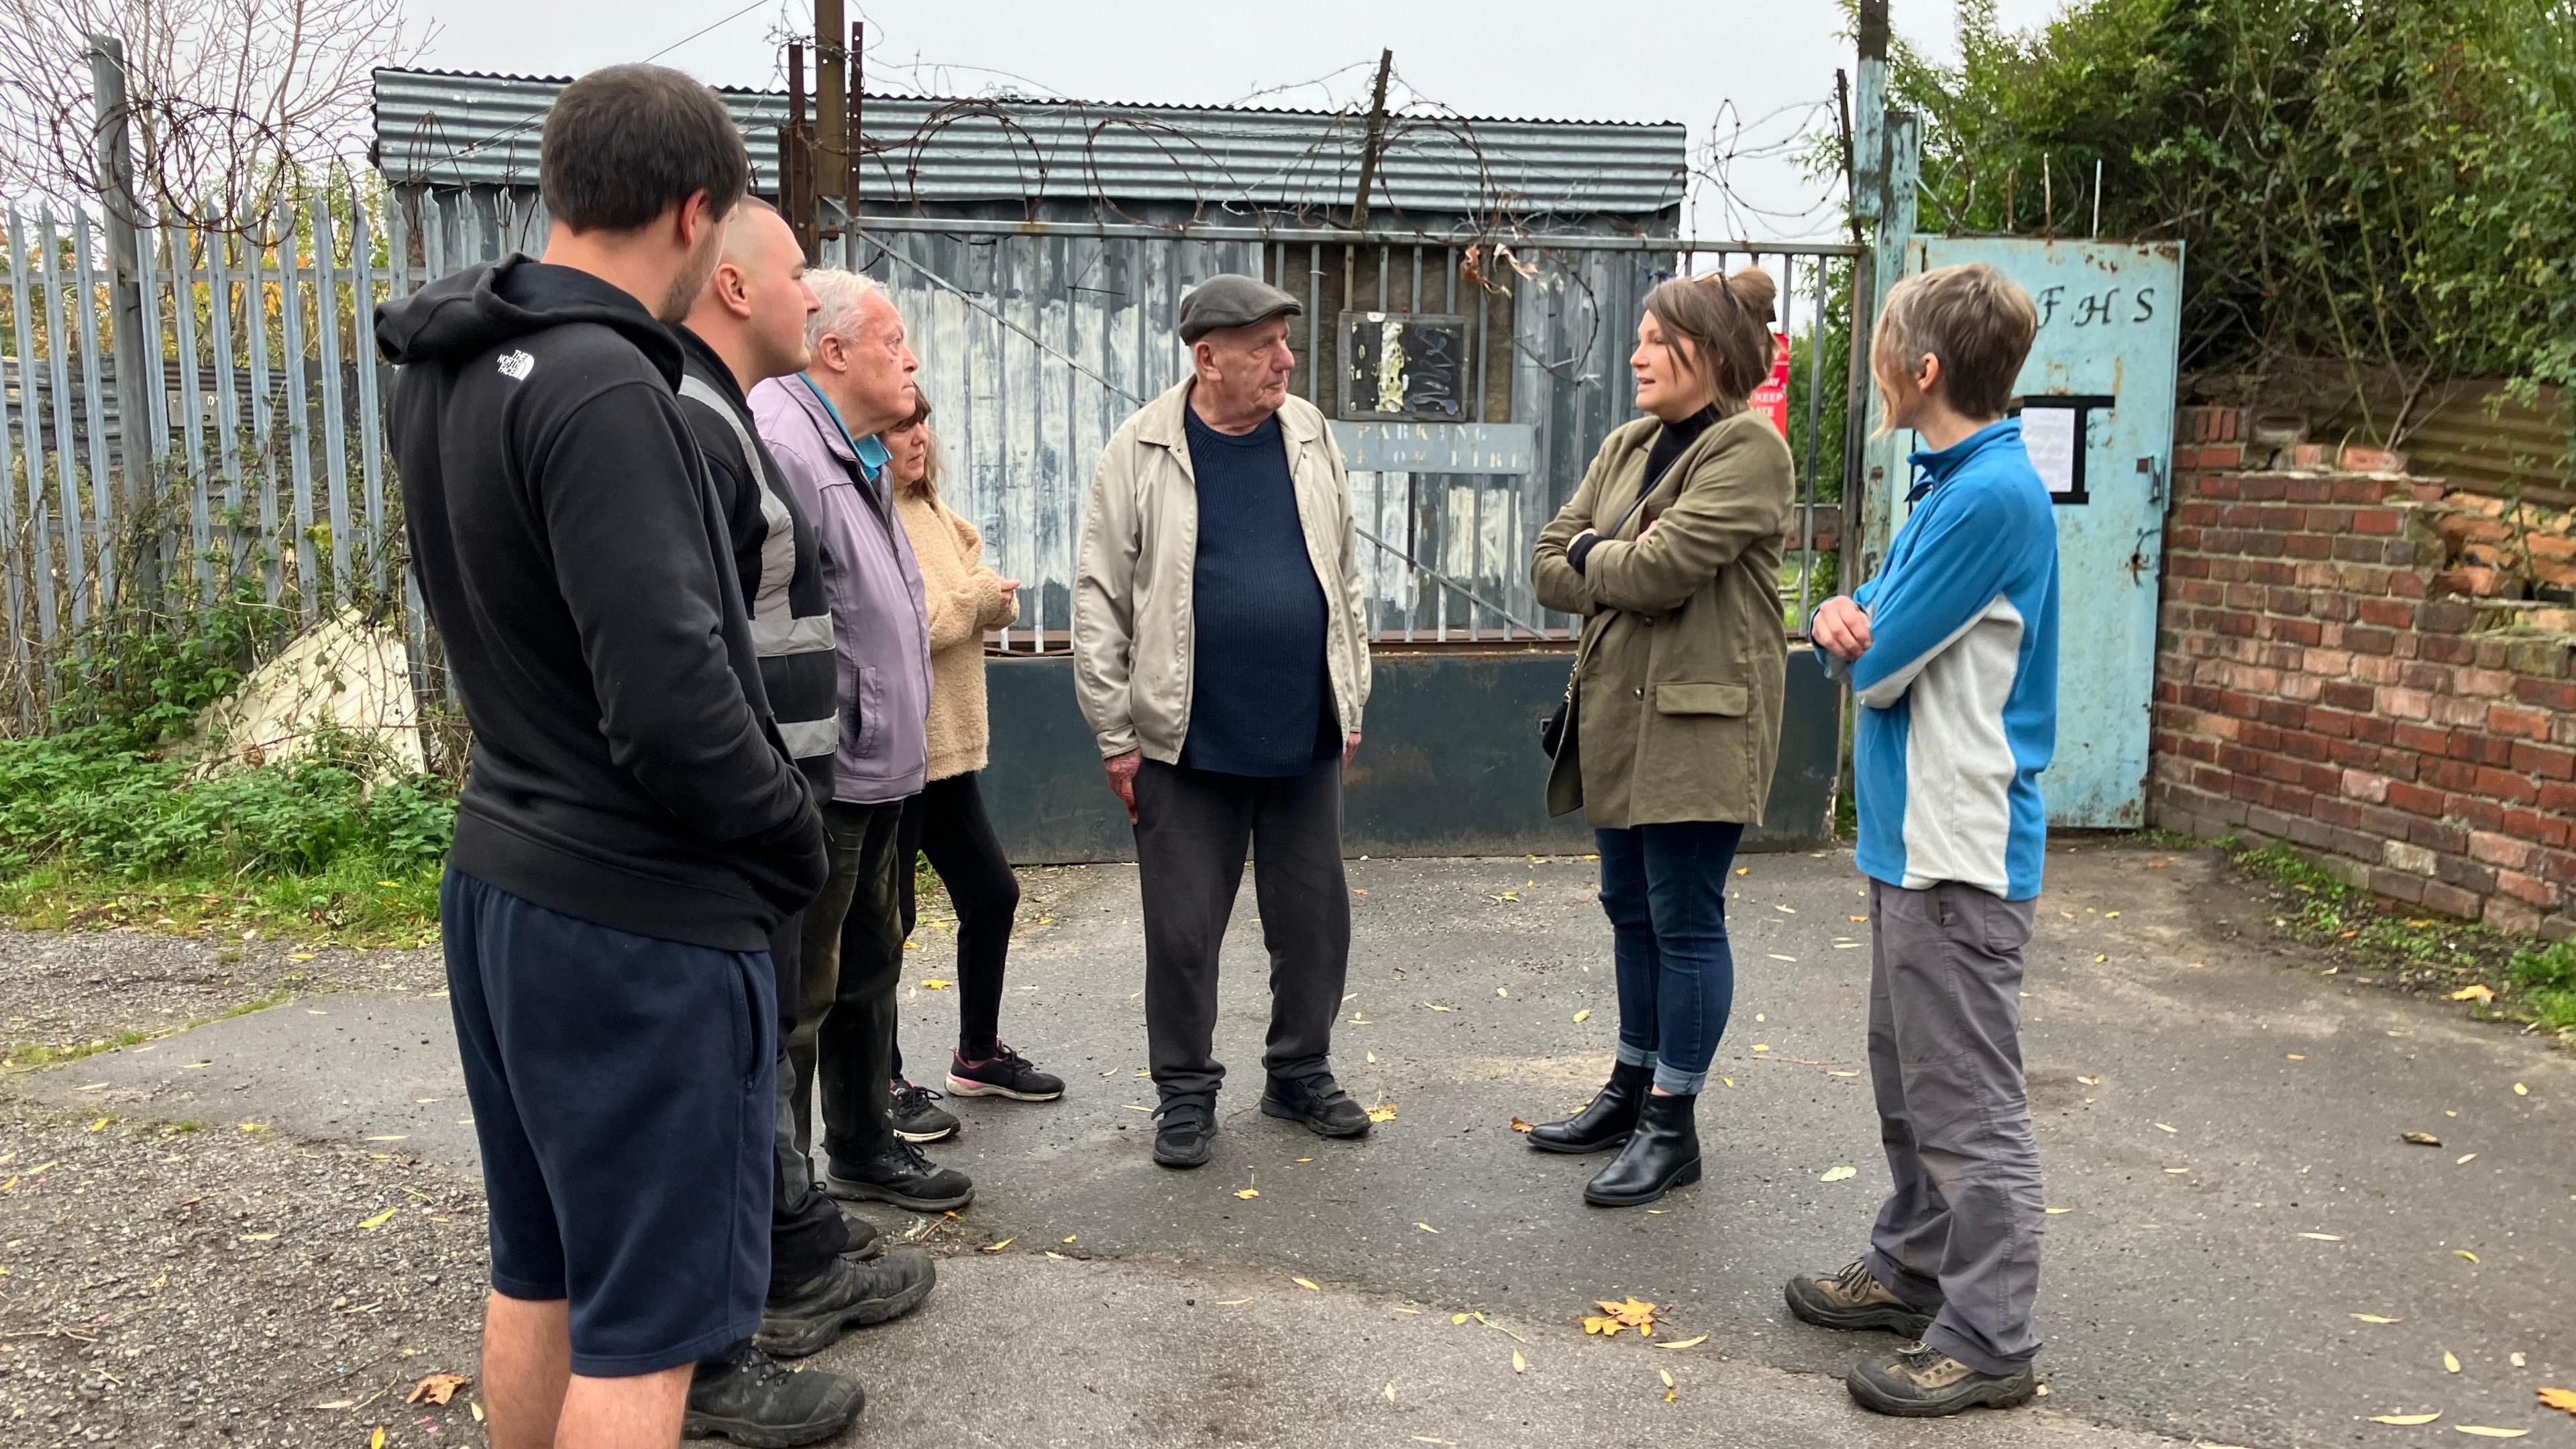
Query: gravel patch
<point x="166" y="1285"/>
<point x="66" y="992"/>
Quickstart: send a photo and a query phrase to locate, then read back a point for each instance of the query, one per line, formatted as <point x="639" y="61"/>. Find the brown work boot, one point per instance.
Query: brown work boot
<point x="1854" y="1299"/>
<point x="1924" y="1383"/>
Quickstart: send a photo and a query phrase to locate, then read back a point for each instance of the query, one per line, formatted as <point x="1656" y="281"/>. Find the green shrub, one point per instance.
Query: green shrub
<point x="2547" y="977"/>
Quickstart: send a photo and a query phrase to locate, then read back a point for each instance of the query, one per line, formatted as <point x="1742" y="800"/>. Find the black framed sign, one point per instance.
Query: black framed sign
<point x="1405" y="367"/>
<point x="2053" y="430"/>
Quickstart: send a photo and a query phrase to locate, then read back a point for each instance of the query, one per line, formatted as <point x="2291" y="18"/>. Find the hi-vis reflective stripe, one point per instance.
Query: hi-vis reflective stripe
<point x="776" y="634"/>
<point x="775" y="629"/>
<point x="808" y="739"/>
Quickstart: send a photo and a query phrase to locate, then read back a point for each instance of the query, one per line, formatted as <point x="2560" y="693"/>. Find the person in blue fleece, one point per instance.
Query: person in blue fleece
<point x="1951" y="653"/>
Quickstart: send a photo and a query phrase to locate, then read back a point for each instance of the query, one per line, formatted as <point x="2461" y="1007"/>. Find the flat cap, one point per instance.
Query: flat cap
<point x="1231" y="299"/>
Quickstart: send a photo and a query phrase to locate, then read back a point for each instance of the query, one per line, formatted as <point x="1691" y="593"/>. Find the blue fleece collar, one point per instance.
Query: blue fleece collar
<point x="870" y="450"/>
<point x="1935" y="468"/>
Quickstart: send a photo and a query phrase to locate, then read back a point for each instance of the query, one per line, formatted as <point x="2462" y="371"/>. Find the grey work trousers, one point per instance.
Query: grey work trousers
<point x="1192" y="828"/>
<point x="1959" y="1235"/>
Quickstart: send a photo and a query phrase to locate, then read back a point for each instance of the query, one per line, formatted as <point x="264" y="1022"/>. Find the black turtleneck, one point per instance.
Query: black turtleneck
<point x="1669" y="442"/>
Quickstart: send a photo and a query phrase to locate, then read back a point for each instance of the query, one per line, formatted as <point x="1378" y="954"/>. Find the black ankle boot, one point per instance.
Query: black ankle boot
<point x="1662" y="1154"/>
<point x="1604" y="1124"/>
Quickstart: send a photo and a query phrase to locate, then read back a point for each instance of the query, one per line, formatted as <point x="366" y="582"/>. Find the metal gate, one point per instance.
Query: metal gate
<point x="1037" y="339"/>
<point x="2097" y="408"/>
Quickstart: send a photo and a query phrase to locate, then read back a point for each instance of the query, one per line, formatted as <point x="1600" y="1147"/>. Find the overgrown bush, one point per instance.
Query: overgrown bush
<point x="2390" y="184"/>
<point x="82" y="800"/>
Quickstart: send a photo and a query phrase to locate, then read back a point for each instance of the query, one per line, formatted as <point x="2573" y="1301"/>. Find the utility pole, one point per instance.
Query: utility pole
<point x="857" y="139"/>
<point x="138" y="358"/>
<point x="795" y="158"/>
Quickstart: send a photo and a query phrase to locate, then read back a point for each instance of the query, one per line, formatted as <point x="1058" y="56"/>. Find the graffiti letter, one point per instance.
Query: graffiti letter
<point x="2146" y="305"/>
<point x="2048" y="297"/>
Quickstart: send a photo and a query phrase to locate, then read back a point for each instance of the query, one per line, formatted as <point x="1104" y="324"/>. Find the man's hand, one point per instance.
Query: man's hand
<point x="1122" y="779"/>
<point x="1842" y="627"/>
<point x="1350" y="747"/>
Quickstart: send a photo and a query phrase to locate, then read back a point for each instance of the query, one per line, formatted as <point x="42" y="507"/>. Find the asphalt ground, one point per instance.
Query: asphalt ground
<point x="2219" y="1121"/>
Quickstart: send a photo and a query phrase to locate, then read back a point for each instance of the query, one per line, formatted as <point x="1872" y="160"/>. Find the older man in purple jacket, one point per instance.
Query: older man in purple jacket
<point x="821" y="426"/>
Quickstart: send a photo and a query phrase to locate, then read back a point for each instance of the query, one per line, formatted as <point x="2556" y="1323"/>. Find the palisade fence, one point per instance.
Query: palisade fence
<point x="253" y="463"/>
<point x="255" y="467"/>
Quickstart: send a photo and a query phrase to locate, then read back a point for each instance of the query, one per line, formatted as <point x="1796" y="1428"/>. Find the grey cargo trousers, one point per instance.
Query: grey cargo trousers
<point x="1959" y="1235"/>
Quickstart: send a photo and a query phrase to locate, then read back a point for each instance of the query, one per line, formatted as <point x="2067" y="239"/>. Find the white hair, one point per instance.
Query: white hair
<point x="842" y="295"/>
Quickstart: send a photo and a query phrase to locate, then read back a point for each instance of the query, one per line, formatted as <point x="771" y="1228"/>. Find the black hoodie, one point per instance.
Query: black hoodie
<point x="626" y="769"/>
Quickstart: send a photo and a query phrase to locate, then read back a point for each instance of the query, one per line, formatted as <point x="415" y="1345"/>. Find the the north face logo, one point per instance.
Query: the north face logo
<point x="517" y="365"/>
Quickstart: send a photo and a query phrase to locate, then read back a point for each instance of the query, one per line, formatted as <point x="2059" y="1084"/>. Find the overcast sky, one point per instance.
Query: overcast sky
<point x="1762" y="68"/>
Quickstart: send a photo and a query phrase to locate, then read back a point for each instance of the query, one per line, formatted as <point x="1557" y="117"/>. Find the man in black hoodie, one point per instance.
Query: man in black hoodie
<point x="633" y="827"/>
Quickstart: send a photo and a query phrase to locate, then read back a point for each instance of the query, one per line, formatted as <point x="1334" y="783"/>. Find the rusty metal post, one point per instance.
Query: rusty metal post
<point x="831" y="107"/>
<point x="795" y="157"/>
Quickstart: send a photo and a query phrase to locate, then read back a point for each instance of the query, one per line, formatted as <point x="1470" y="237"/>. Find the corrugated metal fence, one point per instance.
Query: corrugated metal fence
<point x="263" y="440"/>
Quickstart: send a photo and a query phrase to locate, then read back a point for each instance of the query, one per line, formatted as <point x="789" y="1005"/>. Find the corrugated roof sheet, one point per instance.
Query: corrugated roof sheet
<point x="448" y="129"/>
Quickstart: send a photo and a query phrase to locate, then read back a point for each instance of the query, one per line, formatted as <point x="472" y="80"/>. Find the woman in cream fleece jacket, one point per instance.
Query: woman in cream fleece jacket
<point x="947" y="821"/>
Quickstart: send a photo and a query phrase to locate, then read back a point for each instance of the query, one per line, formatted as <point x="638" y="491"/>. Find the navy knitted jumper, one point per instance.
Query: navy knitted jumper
<point x="1259" y="699"/>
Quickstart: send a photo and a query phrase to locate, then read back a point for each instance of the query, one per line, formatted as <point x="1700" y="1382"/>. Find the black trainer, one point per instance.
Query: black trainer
<point x="852" y="1293"/>
<point x="1005" y="1074"/>
<point x="1317" y="1101"/>
<point x="750" y="1398"/>
<point x="915" y="1120"/>
<point x="904" y="1176"/>
<point x="1921" y="1382"/>
<point x="1184" y="1126"/>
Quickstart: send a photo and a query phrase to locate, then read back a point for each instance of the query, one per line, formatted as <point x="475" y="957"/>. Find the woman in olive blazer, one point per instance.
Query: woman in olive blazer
<point x="1674" y="721"/>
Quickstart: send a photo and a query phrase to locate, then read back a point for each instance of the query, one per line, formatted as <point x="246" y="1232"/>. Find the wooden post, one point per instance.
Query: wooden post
<point x="831" y="105"/>
<point x="795" y="158"/>
<point x="1368" y="148"/>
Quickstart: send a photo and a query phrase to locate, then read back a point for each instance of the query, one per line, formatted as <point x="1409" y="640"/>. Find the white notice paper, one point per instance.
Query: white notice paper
<point x="2049" y="434"/>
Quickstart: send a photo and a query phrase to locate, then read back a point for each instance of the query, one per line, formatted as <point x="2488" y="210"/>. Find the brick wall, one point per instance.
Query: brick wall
<point x="2328" y="675"/>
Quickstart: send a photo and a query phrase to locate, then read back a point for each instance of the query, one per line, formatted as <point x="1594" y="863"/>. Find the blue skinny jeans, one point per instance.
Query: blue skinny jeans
<point x="1664" y="889"/>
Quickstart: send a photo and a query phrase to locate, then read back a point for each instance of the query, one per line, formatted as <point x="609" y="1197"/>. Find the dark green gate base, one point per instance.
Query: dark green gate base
<point x="1450" y="765"/>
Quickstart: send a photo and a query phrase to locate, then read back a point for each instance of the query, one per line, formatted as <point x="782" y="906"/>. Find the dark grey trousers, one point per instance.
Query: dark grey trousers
<point x="1960" y="1232"/>
<point x="1192" y="827"/>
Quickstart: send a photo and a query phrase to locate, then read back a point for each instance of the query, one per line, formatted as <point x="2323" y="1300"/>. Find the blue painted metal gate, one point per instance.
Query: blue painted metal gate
<point x="2097" y="400"/>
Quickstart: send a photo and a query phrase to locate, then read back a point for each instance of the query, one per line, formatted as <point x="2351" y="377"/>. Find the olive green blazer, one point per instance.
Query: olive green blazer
<point x="1677" y="697"/>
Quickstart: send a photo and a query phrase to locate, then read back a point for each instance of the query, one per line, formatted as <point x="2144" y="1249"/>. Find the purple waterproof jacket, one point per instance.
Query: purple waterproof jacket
<point x="880" y="625"/>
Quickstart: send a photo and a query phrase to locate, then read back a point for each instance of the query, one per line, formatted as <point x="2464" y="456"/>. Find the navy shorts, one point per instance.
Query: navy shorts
<point x="622" y="1089"/>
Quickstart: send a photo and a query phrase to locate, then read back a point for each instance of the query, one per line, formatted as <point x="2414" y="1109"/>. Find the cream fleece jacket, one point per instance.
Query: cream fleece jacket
<point x="964" y="599"/>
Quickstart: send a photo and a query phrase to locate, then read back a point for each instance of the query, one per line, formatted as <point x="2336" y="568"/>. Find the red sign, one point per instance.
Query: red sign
<point x="1771" y="399"/>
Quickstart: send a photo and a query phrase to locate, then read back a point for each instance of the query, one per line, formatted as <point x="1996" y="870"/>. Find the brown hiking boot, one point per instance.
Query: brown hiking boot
<point x="1925" y="1383"/>
<point x="1854" y="1299"/>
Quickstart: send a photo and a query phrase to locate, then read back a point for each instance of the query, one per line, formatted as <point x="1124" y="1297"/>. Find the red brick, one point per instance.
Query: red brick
<point x="2530" y="724"/>
<point x="2535" y="825"/>
<point x="2507" y="787"/>
<point x="2406" y="703"/>
<point x="2450" y="900"/>
<point x="2553" y="694"/>
<point x="2522" y="887"/>
<point x="2416" y="798"/>
<point x="2556" y="764"/>
<point x="2384" y="521"/>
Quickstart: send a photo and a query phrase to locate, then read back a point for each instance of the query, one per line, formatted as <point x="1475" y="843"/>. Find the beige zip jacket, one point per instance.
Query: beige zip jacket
<point x="1132" y="649"/>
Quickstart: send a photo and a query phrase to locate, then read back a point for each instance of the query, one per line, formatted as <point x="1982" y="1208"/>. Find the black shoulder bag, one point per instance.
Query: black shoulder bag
<point x="1551" y="726"/>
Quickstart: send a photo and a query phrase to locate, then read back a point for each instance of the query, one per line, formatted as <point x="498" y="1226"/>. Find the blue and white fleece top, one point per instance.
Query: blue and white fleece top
<point x="1958" y="687"/>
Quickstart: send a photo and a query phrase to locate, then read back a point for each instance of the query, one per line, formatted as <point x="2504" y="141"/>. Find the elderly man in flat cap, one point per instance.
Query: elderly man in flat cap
<point x="1222" y="661"/>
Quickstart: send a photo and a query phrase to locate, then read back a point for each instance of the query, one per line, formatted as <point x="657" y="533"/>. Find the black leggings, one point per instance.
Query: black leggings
<point x="946" y="822"/>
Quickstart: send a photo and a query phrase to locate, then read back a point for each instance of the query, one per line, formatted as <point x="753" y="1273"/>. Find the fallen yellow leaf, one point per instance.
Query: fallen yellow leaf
<point x="2406" y="1418"/>
<point x="2485" y="1431"/>
<point x="2562" y="1400"/>
<point x="1583" y="1016"/>
<point x="478" y="1411"/>
<point x="2465" y="1159"/>
<point x="1426" y="1227"/>
<point x="379" y="1220"/>
<point x="2520" y="1090"/>
<point x="933" y="983"/>
<point x="1520" y="1365"/>
<point x="1249" y="1193"/>
<point x="2465" y="1253"/>
<point x="1518" y="1125"/>
<point x="1837" y="1174"/>
<point x="1666" y="1375"/>
<point x="2322" y="1237"/>
<point x="1306" y="1283"/>
<point x="2450" y="1362"/>
<point x="1390" y="1393"/>
<point x="2057" y="1212"/>
<point x="2480" y="993"/>
<point x="2090" y="1081"/>
<point x="376" y="1440"/>
<point x="1686" y="1343"/>
<point x="2161" y="1127"/>
<point x="1457" y="1318"/>
<point x="257" y="1237"/>
<point x="1382" y="1113"/>
<point x="1232" y="1302"/>
<point x="1502" y="991"/>
<point x="997" y="1247"/>
<point x="2375" y="1318"/>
